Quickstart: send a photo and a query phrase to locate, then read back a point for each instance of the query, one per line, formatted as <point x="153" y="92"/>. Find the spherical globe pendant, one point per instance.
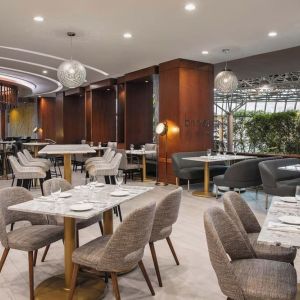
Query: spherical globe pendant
<point x="226" y="82"/>
<point x="71" y="73"/>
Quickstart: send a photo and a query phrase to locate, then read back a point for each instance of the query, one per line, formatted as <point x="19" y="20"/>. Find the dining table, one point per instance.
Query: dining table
<point x="208" y="159"/>
<point x="100" y="200"/>
<point x="67" y="151"/>
<point x="143" y="154"/>
<point x="36" y="146"/>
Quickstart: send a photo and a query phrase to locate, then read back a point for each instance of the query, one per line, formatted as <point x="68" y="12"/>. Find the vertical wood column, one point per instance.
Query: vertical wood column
<point x="3" y="123"/>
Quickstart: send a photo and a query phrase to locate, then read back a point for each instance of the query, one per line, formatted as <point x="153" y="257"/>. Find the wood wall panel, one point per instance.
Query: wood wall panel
<point x="73" y="119"/>
<point x="139" y="113"/>
<point x="104" y="115"/>
<point x="59" y="117"/>
<point x="121" y="113"/>
<point x="186" y="103"/>
<point x="47" y="117"/>
<point x="88" y="115"/>
<point x="3" y="123"/>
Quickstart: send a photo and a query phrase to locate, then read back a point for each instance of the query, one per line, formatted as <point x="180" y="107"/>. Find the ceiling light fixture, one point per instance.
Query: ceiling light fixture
<point x="226" y="81"/>
<point x="71" y="73"/>
<point x="45" y="72"/>
<point x="146" y="81"/>
<point x="190" y="7"/>
<point x="272" y="34"/>
<point x="204" y="52"/>
<point x="38" y="19"/>
<point x="127" y="35"/>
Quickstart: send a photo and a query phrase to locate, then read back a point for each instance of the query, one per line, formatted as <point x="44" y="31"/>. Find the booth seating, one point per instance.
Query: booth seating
<point x="279" y="182"/>
<point x="192" y="170"/>
<point x="243" y="174"/>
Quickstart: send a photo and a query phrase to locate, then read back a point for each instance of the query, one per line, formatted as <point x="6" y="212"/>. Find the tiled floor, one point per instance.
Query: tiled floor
<point x="193" y="279"/>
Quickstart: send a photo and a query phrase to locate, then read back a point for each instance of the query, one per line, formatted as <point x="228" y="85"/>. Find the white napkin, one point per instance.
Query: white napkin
<point x="283" y="227"/>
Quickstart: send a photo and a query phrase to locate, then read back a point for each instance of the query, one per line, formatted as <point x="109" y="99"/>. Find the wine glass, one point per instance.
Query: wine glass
<point x="131" y="147"/>
<point x="235" y="151"/>
<point x="119" y="178"/>
<point x="99" y="144"/>
<point x="55" y="192"/>
<point x="208" y="152"/>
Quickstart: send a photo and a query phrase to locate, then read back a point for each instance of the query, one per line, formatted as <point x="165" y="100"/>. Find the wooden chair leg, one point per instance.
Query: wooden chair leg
<point x="155" y="262"/>
<point x="114" y="280"/>
<point x="35" y="254"/>
<point x="101" y="226"/>
<point x="31" y="279"/>
<point x="172" y="250"/>
<point x="73" y="283"/>
<point x="142" y="267"/>
<point x="3" y="258"/>
<point x="45" y="253"/>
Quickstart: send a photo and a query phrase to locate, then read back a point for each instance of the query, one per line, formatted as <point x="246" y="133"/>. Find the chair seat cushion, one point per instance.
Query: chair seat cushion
<point x="266" y="279"/>
<point x="220" y="180"/>
<point x="133" y="167"/>
<point x="272" y="252"/>
<point x="89" y="254"/>
<point x="34" y="237"/>
<point x="291" y="182"/>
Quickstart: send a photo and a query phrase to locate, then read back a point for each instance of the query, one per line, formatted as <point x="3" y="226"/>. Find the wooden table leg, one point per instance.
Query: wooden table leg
<point x="67" y="167"/>
<point x="108" y="222"/>
<point x="4" y="163"/>
<point x="205" y="193"/>
<point x="36" y="151"/>
<point x="144" y="168"/>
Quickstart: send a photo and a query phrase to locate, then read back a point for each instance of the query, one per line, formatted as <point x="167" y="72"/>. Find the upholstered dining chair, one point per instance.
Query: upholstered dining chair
<point x="31" y="158"/>
<point x="64" y="185"/>
<point x="25" y="175"/>
<point x="112" y="145"/>
<point x="120" y="252"/>
<point x="241" y="276"/>
<point x="26" y="238"/>
<point x="165" y="216"/>
<point x="104" y="158"/>
<point x="241" y="214"/>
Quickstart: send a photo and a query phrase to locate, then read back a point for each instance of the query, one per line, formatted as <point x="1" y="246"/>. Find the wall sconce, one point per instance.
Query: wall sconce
<point x="36" y="130"/>
<point x="162" y="130"/>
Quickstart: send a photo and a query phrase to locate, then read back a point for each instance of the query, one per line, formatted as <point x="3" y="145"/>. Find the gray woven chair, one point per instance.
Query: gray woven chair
<point x="165" y="216"/>
<point x="241" y="214"/>
<point x="80" y="224"/>
<point x="120" y="252"/>
<point x="25" y="175"/>
<point x="26" y="238"/>
<point x="241" y="276"/>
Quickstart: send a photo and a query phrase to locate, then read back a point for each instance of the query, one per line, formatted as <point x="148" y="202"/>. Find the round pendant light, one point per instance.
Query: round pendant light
<point x="226" y="81"/>
<point x="71" y="73"/>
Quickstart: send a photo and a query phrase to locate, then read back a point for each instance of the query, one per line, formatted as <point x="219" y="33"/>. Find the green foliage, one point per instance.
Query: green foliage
<point x="268" y="132"/>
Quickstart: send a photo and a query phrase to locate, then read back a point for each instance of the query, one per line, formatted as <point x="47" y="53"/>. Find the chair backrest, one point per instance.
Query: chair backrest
<point x="126" y="246"/>
<point x="124" y="160"/>
<point x="27" y="154"/>
<point x="16" y="167"/>
<point x="150" y="147"/>
<point x="166" y="215"/>
<point x="240" y="213"/>
<point x="270" y="172"/>
<point x="112" y="145"/>
<point x="224" y="238"/>
<point x="115" y="163"/>
<point x="12" y="196"/>
<point x="22" y="159"/>
<point x="110" y="156"/>
<point x="107" y="151"/>
<point x="57" y="183"/>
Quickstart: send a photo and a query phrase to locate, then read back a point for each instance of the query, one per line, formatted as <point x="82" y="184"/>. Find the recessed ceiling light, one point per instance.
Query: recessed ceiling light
<point x="127" y="35"/>
<point x="190" y="7"/>
<point x="108" y="90"/>
<point x="146" y="81"/>
<point x="204" y="52"/>
<point x="38" y="19"/>
<point x="272" y="33"/>
<point x="45" y="72"/>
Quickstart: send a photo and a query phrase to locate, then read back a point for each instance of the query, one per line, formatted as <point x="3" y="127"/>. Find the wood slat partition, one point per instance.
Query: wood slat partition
<point x="88" y="115"/>
<point x="186" y="103"/>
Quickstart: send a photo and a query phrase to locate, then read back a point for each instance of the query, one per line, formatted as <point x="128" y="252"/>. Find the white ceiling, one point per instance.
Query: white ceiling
<point x="162" y="30"/>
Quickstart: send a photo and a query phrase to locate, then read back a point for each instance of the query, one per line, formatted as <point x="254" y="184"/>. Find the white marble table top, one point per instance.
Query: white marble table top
<point x="100" y="198"/>
<point x="140" y="152"/>
<point x="97" y="148"/>
<point x="7" y="142"/>
<point x="280" y="237"/>
<point x="36" y="144"/>
<point x="295" y="168"/>
<point x="220" y="157"/>
<point x="67" y="149"/>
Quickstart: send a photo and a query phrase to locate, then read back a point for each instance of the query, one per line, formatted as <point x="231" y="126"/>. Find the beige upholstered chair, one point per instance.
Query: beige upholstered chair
<point x="103" y="158"/>
<point x="120" y="252"/>
<point x="26" y="238"/>
<point x="112" y="145"/>
<point x="24" y="175"/>
<point x="30" y="158"/>
<point x="100" y="160"/>
<point x="165" y="216"/>
<point x="241" y="276"/>
<point x="129" y="168"/>
<point x="241" y="214"/>
<point x="26" y="163"/>
<point x="80" y="224"/>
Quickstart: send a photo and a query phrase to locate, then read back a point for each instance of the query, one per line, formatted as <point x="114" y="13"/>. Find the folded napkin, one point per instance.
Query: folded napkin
<point x="283" y="227"/>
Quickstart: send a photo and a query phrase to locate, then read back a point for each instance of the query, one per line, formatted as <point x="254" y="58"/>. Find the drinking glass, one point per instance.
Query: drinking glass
<point x="119" y="178"/>
<point x="143" y="148"/>
<point x="91" y="144"/>
<point x="131" y="147"/>
<point x="208" y="152"/>
<point x="235" y="151"/>
<point x="99" y="144"/>
<point x="55" y="192"/>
